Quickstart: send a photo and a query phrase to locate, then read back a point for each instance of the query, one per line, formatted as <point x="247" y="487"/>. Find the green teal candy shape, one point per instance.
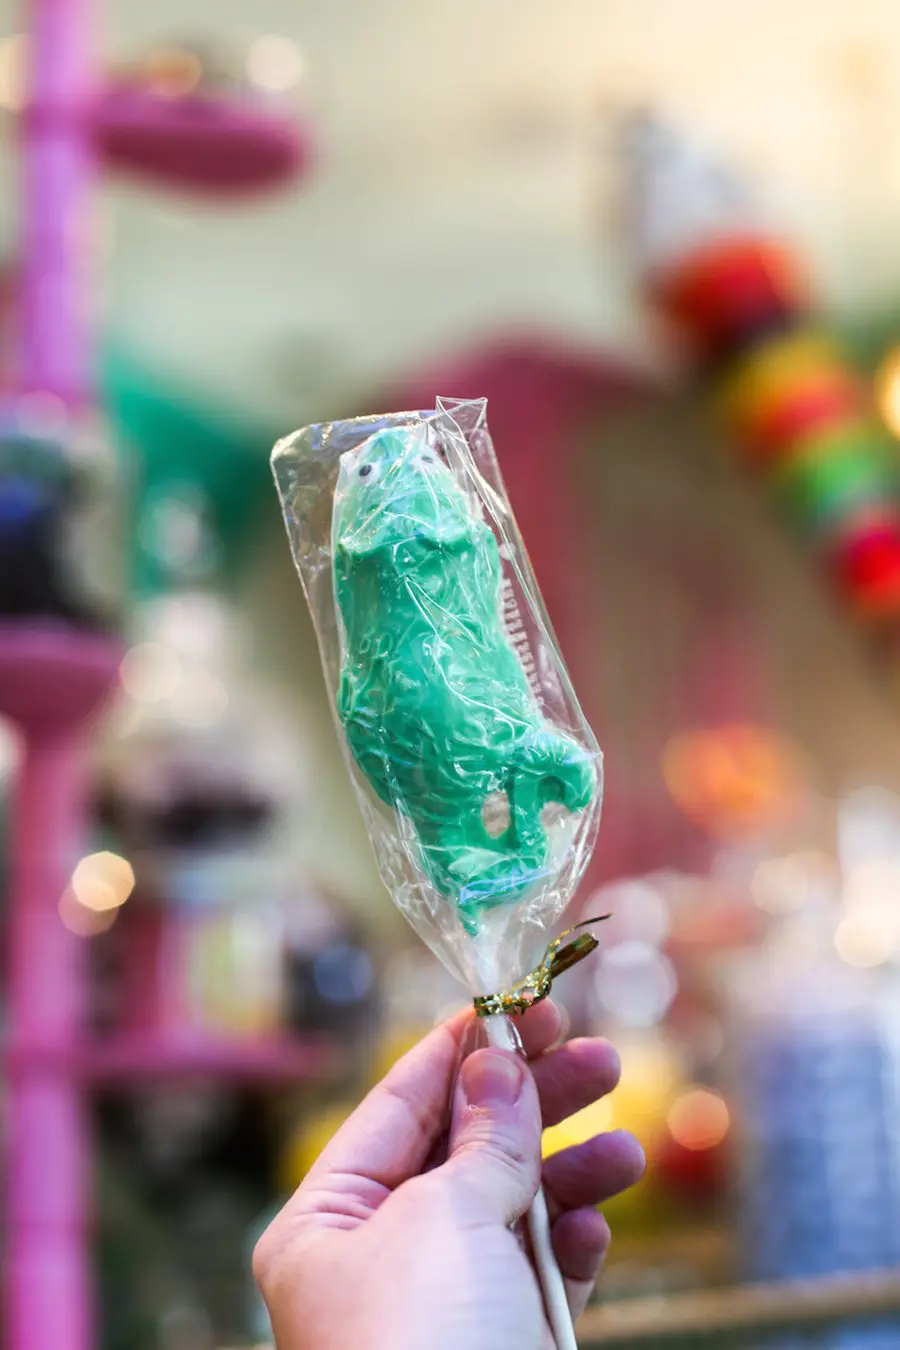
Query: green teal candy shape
<point x="436" y="707"/>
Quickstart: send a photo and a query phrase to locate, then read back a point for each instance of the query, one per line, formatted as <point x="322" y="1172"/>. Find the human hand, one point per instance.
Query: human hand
<point x="400" y="1235"/>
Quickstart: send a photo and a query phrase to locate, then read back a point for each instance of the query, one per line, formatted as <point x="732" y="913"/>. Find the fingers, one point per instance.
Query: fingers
<point x="399" y="1125"/>
<point x="492" y="1170"/>
<point x="574" y="1076"/>
<point x="589" y="1173"/>
<point x="575" y="1181"/>
<point x="390" y="1134"/>
<point x="581" y="1241"/>
<point x="540" y="1028"/>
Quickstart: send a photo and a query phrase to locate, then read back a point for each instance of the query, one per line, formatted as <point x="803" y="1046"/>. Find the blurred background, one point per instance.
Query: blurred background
<point x="661" y="239"/>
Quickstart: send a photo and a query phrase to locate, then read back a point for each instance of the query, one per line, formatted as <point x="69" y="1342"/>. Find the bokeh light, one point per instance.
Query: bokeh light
<point x="150" y="672"/>
<point x="172" y="72"/>
<point x="10" y="750"/>
<point x="887" y="390"/>
<point x="635" y="983"/>
<point x="733" y="780"/>
<point x="275" y="63"/>
<point x="874" y="885"/>
<point x="102" y="881"/>
<point x="698" y="1119"/>
<point x="200" y="700"/>
<point x="784" y="885"/>
<point x="863" y="938"/>
<point x="14" y="55"/>
<point x="81" y="920"/>
<point x="343" y="974"/>
<point x="638" y="911"/>
<point x="868" y="826"/>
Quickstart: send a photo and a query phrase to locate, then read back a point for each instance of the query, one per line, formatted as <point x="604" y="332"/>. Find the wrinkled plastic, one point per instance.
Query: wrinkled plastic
<point x="478" y="776"/>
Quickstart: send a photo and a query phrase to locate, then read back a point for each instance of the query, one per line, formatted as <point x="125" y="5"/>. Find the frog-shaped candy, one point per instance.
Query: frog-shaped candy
<point x="435" y="704"/>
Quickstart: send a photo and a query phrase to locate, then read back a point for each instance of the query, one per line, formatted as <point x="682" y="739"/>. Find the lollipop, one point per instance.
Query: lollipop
<point x="435" y="704"/>
<point x="478" y="777"/>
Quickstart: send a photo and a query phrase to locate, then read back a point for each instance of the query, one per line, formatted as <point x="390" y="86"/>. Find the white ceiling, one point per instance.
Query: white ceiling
<point x="465" y="181"/>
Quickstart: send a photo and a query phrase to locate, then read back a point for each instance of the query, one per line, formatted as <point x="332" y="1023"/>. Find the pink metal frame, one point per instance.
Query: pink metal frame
<point x="50" y="683"/>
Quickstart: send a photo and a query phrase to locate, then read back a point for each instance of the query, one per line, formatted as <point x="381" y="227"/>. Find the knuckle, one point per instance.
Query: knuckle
<point x="501" y="1148"/>
<point x="500" y="1141"/>
<point x="265" y="1258"/>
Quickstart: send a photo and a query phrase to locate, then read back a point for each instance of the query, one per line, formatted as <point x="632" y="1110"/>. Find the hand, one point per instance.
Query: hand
<point x="400" y="1236"/>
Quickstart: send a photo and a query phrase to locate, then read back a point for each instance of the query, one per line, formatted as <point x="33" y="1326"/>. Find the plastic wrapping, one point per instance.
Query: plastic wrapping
<point x="479" y="779"/>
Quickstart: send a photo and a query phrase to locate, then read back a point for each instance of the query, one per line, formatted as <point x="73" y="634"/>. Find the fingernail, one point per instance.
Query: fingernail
<point x="627" y="1149"/>
<point x="491" y="1078"/>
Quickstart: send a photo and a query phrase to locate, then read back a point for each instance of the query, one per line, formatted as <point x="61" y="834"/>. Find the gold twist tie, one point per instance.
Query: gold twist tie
<point x="536" y="986"/>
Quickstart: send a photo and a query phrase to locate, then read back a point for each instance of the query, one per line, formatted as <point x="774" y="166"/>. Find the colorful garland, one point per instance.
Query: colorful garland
<point x="799" y="412"/>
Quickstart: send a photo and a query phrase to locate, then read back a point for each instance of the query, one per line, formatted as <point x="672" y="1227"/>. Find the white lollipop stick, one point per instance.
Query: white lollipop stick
<point x="501" y="1034"/>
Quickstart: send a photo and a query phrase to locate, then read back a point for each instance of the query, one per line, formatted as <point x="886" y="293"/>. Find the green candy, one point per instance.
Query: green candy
<point x="436" y="707"/>
<point x="833" y="476"/>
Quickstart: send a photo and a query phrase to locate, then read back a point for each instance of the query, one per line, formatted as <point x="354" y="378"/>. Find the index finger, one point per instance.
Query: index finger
<point x="390" y="1135"/>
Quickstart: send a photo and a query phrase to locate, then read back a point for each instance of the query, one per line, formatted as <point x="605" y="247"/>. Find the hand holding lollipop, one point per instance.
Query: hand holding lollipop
<point x="477" y="774"/>
<point x="399" y="1233"/>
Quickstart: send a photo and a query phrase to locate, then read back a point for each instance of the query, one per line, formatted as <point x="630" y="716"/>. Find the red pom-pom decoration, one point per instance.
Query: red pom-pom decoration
<point x="867" y="570"/>
<point x="732" y="290"/>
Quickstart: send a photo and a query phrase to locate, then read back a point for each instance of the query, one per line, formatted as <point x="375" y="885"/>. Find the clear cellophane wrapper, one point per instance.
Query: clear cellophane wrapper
<point x="477" y="774"/>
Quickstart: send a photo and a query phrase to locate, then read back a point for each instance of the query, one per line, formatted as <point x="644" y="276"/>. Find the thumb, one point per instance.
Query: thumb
<point x="495" y="1137"/>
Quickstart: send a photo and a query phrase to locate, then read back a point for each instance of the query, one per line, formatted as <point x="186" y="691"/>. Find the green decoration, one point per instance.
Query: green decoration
<point x="202" y="479"/>
<point x="832" y="474"/>
<point x="437" y="709"/>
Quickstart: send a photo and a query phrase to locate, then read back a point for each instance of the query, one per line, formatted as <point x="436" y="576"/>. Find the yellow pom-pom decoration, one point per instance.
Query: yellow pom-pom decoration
<point x="312" y="1136"/>
<point x="396" y="1043"/>
<point x="759" y="381"/>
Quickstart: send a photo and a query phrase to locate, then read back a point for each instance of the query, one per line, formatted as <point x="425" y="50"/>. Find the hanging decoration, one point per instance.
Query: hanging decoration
<point x="194" y="117"/>
<point x="201" y="480"/>
<point x="61" y="516"/>
<point x="800" y="414"/>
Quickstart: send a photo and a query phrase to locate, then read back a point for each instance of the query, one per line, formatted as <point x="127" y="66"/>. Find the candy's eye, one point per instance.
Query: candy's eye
<point x="428" y="459"/>
<point x="365" y="471"/>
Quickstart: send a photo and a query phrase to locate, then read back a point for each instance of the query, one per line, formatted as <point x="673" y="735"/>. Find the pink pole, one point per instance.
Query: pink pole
<point x="49" y="682"/>
<point x="46" y="1268"/>
<point x="58" y="172"/>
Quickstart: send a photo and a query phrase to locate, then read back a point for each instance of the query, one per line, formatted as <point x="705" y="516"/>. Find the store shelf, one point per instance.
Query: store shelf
<point x="137" y="1059"/>
<point x="706" y="1249"/>
<point x="722" y="1318"/>
<point x="712" y="1317"/>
